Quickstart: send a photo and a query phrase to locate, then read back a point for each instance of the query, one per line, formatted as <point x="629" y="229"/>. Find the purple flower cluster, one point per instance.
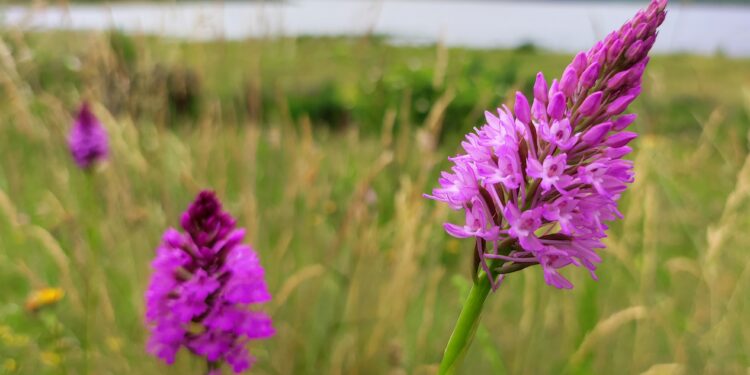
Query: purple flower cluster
<point x="203" y="284"/>
<point x="538" y="184"/>
<point x="87" y="139"/>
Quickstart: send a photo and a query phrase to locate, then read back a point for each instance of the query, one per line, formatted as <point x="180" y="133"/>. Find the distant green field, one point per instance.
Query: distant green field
<point x="322" y="148"/>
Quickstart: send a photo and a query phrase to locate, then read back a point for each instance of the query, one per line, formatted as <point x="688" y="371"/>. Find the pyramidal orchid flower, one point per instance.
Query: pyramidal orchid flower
<point x="87" y="139"/>
<point x="203" y="289"/>
<point x="540" y="182"/>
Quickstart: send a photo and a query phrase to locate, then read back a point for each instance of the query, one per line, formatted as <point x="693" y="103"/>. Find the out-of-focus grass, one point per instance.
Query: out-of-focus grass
<point x="364" y="279"/>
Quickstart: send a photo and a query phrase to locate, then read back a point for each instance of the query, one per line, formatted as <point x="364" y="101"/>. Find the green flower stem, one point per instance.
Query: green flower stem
<point x="466" y="325"/>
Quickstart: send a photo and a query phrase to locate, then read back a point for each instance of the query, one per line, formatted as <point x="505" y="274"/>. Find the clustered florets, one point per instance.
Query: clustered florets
<point x="539" y="183"/>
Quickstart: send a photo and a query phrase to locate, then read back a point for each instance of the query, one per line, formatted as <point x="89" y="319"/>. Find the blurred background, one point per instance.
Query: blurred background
<point x="320" y="124"/>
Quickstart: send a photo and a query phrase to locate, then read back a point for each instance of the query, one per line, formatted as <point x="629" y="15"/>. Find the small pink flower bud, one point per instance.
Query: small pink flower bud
<point x="569" y="81"/>
<point x="539" y="110"/>
<point x="579" y="62"/>
<point x="554" y="88"/>
<point x="628" y="34"/>
<point x="522" y="108"/>
<point x="617" y="152"/>
<point x="620" y="104"/>
<point x="648" y="44"/>
<point x="594" y="135"/>
<point x="590" y="75"/>
<point x="591" y="104"/>
<point x="556" y="107"/>
<point x="540" y="88"/>
<point x="635" y="50"/>
<point x="618" y="80"/>
<point x="614" y="51"/>
<point x="600" y="57"/>
<point x="620" y="139"/>
<point x="641" y="30"/>
<point x="623" y="121"/>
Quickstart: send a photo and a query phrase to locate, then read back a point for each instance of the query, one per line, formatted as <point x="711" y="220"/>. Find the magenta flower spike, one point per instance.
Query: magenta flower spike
<point x="203" y="290"/>
<point x="539" y="184"/>
<point x="87" y="139"/>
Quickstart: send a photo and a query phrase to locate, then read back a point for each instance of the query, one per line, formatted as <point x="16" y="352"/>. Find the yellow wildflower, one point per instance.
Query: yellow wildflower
<point x="44" y="297"/>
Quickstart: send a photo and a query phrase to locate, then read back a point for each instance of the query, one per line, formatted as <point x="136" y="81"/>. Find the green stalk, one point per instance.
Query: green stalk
<point x="466" y="326"/>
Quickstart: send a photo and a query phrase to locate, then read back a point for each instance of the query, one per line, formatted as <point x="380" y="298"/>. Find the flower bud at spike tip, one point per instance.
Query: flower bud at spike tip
<point x="628" y="36"/>
<point x="556" y="106"/>
<point x="539" y="110"/>
<point x="554" y="88"/>
<point x="636" y="73"/>
<point x="633" y="91"/>
<point x="594" y="135"/>
<point x="540" y="88"/>
<point x="600" y="57"/>
<point x="522" y="108"/>
<point x="623" y="121"/>
<point x="618" y="80"/>
<point x="589" y="76"/>
<point x="569" y="81"/>
<point x="620" y="104"/>
<point x="648" y="44"/>
<point x="580" y="62"/>
<point x="640" y="30"/>
<point x="618" y="152"/>
<point x="634" y="51"/>
<point x="621" y="139"/>
<point x="614" y="51"/>
<point x="591" y="104"/>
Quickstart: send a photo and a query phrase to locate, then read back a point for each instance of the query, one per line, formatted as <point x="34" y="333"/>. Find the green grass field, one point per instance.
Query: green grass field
<point x="322" y="149"/>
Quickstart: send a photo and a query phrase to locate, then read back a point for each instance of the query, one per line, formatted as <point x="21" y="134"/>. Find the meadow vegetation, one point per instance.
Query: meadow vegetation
<point x="322" y="148"/>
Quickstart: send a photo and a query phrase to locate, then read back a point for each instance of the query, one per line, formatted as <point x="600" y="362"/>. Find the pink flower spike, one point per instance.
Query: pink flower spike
<point x="87" y="140"/>
<point x="540" y="184"/>
<point x="203" y="286"/>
